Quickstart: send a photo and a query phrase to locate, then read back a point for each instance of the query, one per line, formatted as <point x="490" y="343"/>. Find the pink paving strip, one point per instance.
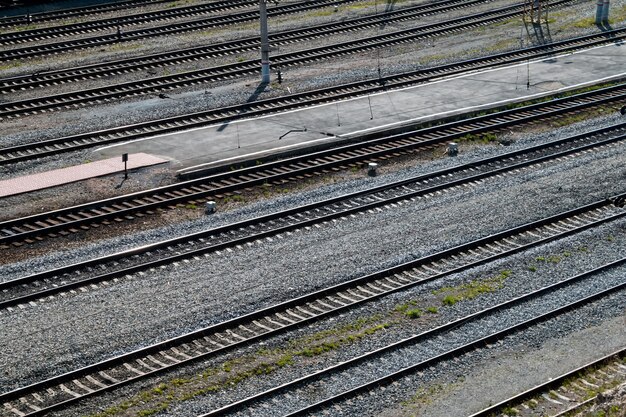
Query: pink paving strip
<point x="76" y="173"/>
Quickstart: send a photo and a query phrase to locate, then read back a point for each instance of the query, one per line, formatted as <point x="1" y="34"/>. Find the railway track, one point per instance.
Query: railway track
<point x="156" y="31"/>
<point x="79" y="12"/>
<point x="560" y="399"/>
<point x="268" y="402"/>
<point x="159" y="85"/>
<point x="262" y="107"/>
<point x="73" y="219"/>
<point x="75" y="29"/>
<point x="54" y="281"/>
<point x="62" y="390"/>
<point x="94" y="71"/>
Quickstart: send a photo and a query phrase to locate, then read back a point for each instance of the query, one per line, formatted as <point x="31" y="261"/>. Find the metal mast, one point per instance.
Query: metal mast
<point x="265" y="44"/>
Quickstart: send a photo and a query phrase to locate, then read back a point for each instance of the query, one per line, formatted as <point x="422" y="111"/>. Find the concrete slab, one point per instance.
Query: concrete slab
<point x="75" y="173"/>
<point x="249" y="139"/>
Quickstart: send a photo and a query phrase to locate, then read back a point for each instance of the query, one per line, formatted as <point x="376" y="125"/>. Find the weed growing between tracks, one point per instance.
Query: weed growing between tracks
<point x="617" y="15"/>
<point x="556" y="258"/>
<point x="426" y="395"/>
<point x="233" y="372"/>
<point x="317" y="347"/>
<point x="472" y="289"/>
<point x="448" y="296"/>
<point x="604" y="406"/>
<point x="266" y="361"/>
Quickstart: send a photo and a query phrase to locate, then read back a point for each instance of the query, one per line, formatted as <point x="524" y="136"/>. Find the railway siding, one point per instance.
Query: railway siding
<point x="211" y="290"/>
<point x="239" y="254"/>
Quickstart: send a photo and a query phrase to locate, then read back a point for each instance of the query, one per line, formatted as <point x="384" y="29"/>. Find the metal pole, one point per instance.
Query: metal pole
<point x="125" y="160"/>
<point x="599" y="7"/>
<point x="605" y="12"/>
<point x="265" y="44"/>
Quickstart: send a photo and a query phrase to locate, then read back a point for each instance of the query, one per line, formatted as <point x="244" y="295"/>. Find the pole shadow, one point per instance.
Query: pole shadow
<point x="253" y="97"/>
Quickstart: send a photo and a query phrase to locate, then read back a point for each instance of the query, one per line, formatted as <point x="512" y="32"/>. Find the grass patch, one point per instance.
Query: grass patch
<point x="616" y="15"/>
<point x="414" y="313"/>
<point x="472" y="289"/>
<point x="236" y="371"/>
<point x="424" y="395"/>
<point x="584" y="23"/>
<point x="409" y="310"/>
<point x="450" y="300"/>
<point x="510" y="411"/>
<point x="24" y="28"/>
<point x="402" y="308"/>
<point x="553" y="259"/>
<point x="570" y="120"/>
<point x="321" y="13"/>
<point x="123" y="46"/>
<point x="236" y="198"/>
<point x="10" y="65"/>
<point x="427" y="395"/>
<point x="482" y="138"/>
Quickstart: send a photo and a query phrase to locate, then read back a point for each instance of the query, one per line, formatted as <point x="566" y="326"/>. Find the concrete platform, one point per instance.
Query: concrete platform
<point x="251" y="139"/>
<point x="76" y="173"/>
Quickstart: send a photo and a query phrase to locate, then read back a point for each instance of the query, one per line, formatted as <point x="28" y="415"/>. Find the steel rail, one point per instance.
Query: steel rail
<point x="575" y="407"/>
<point x="76" y="12"/>
<point x="171" y="29"/>
<point x="248" y="110"/>
<point x="275" y="223"/>
<point x="157" y="85"/>
<point x="432" y="333"/>
<point x="23" y="36"/>
<point x="550" y="384"/>
<point x="295" y="312"/>
<point x="93" y="71"/>
<point x="221" y="183"/>
<point x="405" y="13"/>
<point x="456" y="352"/>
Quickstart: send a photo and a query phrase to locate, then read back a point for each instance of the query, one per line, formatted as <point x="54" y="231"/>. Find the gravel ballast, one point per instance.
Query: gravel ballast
<point x="521" y="281"/>
<point x="74" y="330"/>
<point x="393" y="60"/>
<point x="155" y="306"/>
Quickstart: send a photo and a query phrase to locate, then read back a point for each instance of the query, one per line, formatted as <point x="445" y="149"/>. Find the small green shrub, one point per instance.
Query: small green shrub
<point x="510" y="411"/>
<point x="404" y="307"/>
<point x="554" y="259"/>
<point x="415" y="313"/>
<point x="160" y="389"/>
<point x="284" y="361"/>
<point x="449" y="300"/>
